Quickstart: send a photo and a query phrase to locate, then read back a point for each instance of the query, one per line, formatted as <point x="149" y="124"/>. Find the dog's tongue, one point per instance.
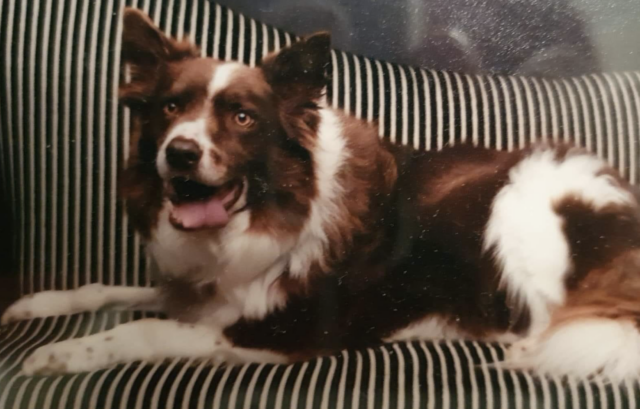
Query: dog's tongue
<point x="201" y="214"/>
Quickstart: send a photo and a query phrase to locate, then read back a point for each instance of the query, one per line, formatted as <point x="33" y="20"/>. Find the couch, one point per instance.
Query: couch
<point x="64" y="138"/>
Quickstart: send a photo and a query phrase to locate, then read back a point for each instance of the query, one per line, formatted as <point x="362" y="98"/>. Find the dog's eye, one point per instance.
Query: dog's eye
<point x="244" y="119"/>
<point x="170" y="108"/>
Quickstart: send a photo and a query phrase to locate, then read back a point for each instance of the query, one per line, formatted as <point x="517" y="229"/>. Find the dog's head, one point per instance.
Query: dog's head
<point x="221" y="137"/>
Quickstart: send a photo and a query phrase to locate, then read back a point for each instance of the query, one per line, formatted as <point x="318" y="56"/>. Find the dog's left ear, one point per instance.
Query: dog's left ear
<point x="300" y="71"/>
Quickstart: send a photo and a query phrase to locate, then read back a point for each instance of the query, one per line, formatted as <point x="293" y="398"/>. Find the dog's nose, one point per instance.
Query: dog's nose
<point x="183" y="154"/>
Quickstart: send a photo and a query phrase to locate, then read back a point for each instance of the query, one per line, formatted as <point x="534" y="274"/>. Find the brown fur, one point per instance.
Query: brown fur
<point x="609" y="292"/>
<point x="407" y="240"/>
<point x="180" y="296"/>
<point x="407" y="259"/>
<point x="597" y="236"/>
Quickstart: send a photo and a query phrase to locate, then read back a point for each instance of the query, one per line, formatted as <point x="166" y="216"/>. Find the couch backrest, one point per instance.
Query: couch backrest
<point x="64" y="136"/>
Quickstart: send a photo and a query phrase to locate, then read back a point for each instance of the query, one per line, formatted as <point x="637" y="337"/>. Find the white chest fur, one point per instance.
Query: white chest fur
<point x="233" y="254"/>
<point x="243" y="264"/>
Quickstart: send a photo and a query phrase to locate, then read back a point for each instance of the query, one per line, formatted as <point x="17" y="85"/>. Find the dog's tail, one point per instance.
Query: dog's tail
<point x="584" y="348"/>
<point x="597" y="333"/>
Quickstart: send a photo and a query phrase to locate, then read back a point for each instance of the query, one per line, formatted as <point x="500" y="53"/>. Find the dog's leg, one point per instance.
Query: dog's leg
<point x="88" y="298"/>
<point x="144" y="340"/>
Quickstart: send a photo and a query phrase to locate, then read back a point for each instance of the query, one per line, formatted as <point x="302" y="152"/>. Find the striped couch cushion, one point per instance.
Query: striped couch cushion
<point x="404" y="375"/>
<point x="64" y="138"/>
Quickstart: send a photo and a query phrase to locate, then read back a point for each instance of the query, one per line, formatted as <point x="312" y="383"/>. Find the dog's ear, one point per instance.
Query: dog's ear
<point x="146" y="51"/>
<point x="300" y="70"/>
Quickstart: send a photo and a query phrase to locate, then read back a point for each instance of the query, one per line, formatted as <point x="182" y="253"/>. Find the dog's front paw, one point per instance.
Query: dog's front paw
<point x="71" y="356"/>
<point x="51" y="303"/>
<point x="23" y="309"/>
<point x="44" y="304"/>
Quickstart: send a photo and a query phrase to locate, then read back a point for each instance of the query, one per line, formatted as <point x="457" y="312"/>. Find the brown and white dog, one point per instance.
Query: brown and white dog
<point x="282" y="230"/>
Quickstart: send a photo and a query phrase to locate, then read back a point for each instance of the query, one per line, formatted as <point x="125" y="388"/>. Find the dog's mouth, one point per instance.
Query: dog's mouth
<point x="198" y="206"/>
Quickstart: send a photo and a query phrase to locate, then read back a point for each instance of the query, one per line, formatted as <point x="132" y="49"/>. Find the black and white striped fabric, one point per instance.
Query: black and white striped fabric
<point x="396" y="376"/>
<point x="64" y="138"/>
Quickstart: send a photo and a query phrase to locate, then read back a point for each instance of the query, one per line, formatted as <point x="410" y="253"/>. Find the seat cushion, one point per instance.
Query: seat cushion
<point x="400" y="375"/>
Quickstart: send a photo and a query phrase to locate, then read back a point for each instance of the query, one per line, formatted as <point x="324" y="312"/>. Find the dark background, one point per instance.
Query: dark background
<point x="531" y="37"/>
<point x="8" y="277"/>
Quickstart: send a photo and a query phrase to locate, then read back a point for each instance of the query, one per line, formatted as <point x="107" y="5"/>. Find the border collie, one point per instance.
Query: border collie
<point x="282" y="229"/>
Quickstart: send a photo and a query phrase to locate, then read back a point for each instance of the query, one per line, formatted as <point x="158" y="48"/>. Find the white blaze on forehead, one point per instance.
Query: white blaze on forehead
<point x="195" y="130"/>
<point x="222" y="77"/>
